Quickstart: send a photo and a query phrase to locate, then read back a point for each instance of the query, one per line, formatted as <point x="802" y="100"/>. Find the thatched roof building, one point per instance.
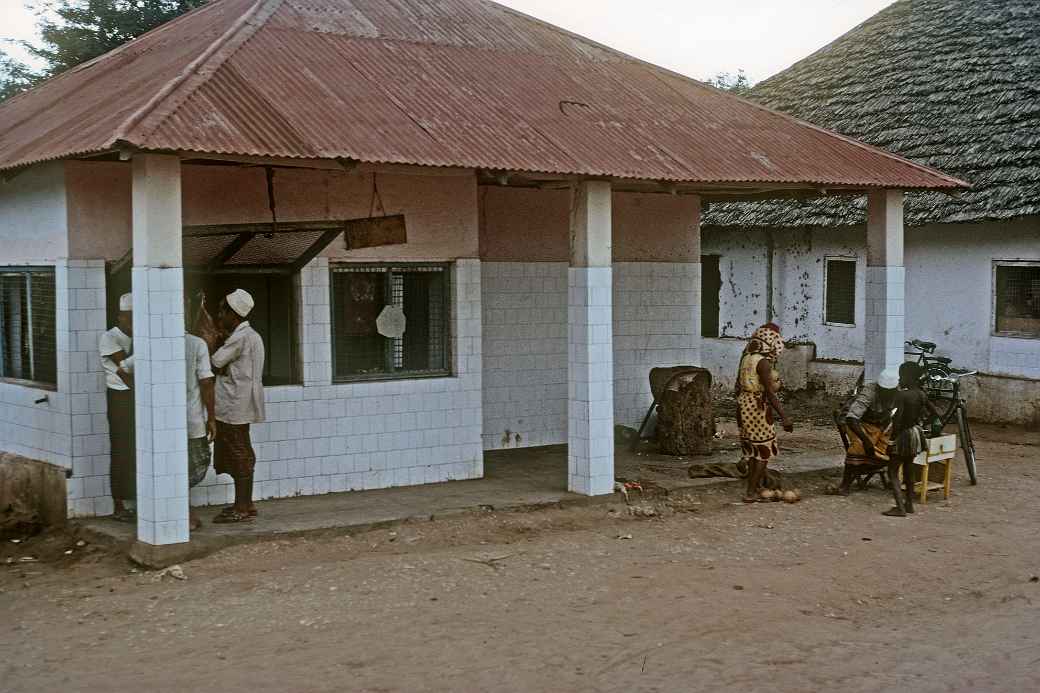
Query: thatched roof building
<point x="954" y="84"/>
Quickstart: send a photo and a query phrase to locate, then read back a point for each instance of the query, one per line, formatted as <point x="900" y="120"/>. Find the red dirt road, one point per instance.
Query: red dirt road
<point x="711" y="596"/>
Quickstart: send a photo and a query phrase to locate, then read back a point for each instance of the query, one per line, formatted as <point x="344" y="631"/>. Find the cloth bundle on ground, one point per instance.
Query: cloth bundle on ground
<point x="772" y="480"/>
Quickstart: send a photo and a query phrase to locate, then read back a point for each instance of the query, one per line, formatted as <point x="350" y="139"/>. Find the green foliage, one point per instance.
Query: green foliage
<point x="75" y="31"/>
<point x="14" y="76"/>
<point x="738" y="83"/>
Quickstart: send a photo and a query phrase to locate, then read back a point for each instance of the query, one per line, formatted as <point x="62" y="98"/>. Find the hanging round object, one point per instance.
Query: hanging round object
<point x="391" y="322"/>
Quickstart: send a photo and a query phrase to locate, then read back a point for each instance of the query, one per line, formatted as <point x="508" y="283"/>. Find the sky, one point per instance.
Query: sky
<point x="698" y="38"/>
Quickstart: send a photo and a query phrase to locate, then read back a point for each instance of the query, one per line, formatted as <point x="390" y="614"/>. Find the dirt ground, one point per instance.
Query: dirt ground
<point x="707" y="595"/>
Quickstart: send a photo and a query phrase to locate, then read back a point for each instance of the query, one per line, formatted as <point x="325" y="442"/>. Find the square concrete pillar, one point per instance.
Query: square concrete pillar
<point x="590" y="355"/>
<point x="885" y="283"/>
<point x="159" y="377"/>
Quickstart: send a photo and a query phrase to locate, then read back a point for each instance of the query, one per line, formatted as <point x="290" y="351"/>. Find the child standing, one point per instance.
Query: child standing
<point x="908" y="439"/>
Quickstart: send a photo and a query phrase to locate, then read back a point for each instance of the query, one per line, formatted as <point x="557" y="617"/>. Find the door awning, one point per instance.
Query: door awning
<point x="235" y="247"/>
<point x="285" y="247"/>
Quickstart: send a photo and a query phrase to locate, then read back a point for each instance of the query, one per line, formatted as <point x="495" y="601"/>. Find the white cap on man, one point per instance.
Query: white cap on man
<point x="126" y="303"/>
<point x="240" y="301"/>
<point x="889" y="379"/>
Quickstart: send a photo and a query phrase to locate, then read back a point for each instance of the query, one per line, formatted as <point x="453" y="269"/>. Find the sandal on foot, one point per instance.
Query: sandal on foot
<point x="125" y="516"/>
<point x="232" y="518"/>
<point x="894" y="512"/>
<point x="230" y="510"/>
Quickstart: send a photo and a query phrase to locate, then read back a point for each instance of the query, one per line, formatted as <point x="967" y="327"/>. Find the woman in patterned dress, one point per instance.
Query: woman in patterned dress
<point x="757" y="385"/>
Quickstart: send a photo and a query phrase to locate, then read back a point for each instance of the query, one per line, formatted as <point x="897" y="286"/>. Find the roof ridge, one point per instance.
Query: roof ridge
<point x="240" y="31"/>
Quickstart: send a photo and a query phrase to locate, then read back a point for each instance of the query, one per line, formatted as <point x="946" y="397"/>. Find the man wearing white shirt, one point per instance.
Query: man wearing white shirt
<point x="202" y="423"/>
<point x="115" y="348"/>
<point x="239" y="365"/>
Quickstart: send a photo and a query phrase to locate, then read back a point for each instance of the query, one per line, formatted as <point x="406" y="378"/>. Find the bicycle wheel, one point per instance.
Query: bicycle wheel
<point x="967" y="443"/>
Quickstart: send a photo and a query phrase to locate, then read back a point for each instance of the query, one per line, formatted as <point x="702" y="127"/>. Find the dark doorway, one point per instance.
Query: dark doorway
<point x="711" y="291"/>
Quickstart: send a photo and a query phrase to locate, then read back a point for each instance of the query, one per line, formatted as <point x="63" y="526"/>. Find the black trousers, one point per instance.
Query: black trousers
<point x="122" y="434"/>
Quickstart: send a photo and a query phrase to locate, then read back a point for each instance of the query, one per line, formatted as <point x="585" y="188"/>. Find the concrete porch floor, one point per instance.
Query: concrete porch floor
<point x="514" y="479"/>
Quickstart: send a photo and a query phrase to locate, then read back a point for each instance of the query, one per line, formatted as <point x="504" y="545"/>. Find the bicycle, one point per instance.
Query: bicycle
<point x="942" y="385"/>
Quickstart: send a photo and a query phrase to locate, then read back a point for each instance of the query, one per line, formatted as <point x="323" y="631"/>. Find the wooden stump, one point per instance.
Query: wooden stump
<point x="685" y="415"/>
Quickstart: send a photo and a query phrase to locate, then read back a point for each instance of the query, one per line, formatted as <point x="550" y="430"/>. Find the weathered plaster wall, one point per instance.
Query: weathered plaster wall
<point x="949" y="300"/>
<point x="441" y="210"/>
<point x="33" y="216"/>
<point x="798" y="284"/>
<point x="99" y="209"/>
<point x="525" y="225"/>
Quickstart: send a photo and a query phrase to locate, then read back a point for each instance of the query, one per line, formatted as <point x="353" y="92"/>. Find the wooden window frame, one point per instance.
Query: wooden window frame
<point x="1007" y="334"/>
<point x="826" y="287"/>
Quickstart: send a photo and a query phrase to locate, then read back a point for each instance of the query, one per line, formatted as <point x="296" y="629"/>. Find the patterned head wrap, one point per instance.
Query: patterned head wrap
<point x="767" y="341"/>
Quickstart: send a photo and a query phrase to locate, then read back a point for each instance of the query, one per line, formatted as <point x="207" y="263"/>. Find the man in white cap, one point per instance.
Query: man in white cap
<point x="116" y="349"/>
<point x="239" y="365"/>
<point x="867" y="416"/>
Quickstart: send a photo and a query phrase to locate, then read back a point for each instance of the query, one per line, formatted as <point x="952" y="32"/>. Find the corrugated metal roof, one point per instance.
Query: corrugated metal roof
<point x="430" y="82"/>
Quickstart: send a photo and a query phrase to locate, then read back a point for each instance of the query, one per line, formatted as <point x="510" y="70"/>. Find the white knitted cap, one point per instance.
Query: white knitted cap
<point x="240" y="301"/>
<point x="889" y="379"/>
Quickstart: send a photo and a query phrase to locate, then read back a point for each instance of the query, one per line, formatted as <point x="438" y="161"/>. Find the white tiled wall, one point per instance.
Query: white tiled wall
<point x="884" y="327"/>
<point x="590" y="400"/>
<point x="324" y="438"/>
<point x="83" y="380"/>
<point x="656" y="321"/>
<point x="315" y="323"/>
<point x="37" y="431"/>
<point x="160" y="405"/>
<point x="525" y="353"/>
<point x="657" y="318"/>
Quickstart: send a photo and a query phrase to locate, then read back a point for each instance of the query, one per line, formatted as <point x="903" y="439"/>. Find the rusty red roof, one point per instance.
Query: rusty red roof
<point x="463" y="83"/>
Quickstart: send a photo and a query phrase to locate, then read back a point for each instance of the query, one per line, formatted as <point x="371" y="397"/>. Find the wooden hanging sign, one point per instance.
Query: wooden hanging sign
<point x="375" y="232"/>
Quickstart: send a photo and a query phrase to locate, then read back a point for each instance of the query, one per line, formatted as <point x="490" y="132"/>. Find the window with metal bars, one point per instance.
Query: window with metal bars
<point x="28" y="350"/>
<point x="1017" y="299"/>
<point x="361" y="293"/>
<point x="840" y="291"/>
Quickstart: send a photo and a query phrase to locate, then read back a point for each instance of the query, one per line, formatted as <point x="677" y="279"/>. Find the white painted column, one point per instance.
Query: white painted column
<point x="590" y="406"/>
<point x="160" y="397"/>
<point x="886" y="279"/>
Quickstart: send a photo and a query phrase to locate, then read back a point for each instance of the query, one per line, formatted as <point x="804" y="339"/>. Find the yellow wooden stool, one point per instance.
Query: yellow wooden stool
<point x="941" y="451"/>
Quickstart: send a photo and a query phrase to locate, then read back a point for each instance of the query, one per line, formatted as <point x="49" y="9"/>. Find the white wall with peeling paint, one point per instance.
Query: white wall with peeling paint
<point x="950" y="298"/>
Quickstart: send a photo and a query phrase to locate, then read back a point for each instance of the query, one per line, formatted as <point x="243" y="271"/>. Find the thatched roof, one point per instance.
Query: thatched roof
<point x="954" y="84"/>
